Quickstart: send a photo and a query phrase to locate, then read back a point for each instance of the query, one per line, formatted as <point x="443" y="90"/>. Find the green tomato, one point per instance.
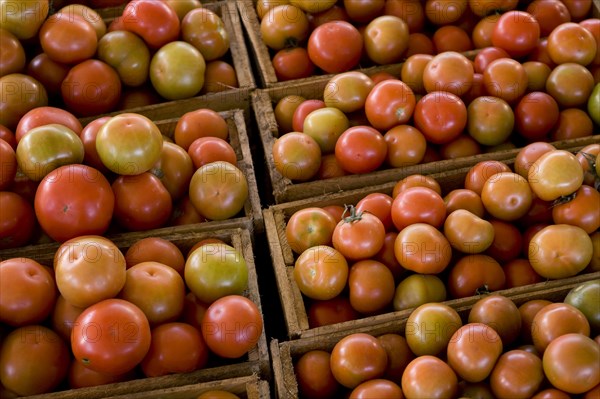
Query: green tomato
<point x="417" y="289"/>
<point x="177" y="71"/>
<point x="593" y="104"/>
<point x="128" y="54"/>
<point x="586" y="298"/>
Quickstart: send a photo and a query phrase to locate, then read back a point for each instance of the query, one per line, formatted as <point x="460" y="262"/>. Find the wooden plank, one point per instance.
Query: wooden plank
<point x="256" y="362"/>
<point x="283" y="258"/>
<point x="284" y="190"/>
<point x="285" y="354"/>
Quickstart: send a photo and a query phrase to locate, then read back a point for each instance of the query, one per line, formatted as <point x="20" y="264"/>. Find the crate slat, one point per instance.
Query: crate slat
<point x="284" y="354"/>
<point x="256" y="362"/>
<point x="283" y="258"/>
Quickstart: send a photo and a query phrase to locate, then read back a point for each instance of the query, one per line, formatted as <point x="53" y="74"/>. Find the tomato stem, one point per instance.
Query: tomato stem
<point x="354" y="215"/>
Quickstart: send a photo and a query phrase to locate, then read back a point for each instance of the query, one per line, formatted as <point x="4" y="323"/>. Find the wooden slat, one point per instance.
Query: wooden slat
<point x="255" y="363"/>
<point x="285" y="354"/>
<point x="283" y="258"/>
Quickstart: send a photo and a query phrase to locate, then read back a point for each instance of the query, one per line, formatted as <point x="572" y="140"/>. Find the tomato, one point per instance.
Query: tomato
<point x="519" y="272"/>
<point x="347" y="91"/>
<point x="313" y="372"/>
<point x="326" y="125"/>
<point x="74" y="200"/>
<point x="219" y="76"/>
<point x="473" y="351"/>
<point x="536" y="114"/>
<point x="331" y="311"/>
<point x="499" y="313"/>
<point x="380" y="388"/>
<point x="461" y="198"/>
<point x="311" y="6"/>
<point x="325" y="47"/>
<point x="537" y="74"/>
<point x="572" y="123"/>
<point x="232" y="326"/>
<point x="13" y="60"/>
<point x="412" y="71"/>
<point x="593" y="25"/>
<point x="63" y="317"/>
<point x="111" y="336"/>
<point x="175" y="166"/>
<point x="193" y="310"/>
<point x="551" y="393"/>
<point x="205" y="30"/>
<point x="219" y="190"/>
<point x="430" y="327"/>
<point x="481" y="35"/>
<point x="418" y="205"/>
<point x="585" y="298"/>
<point x="386" y="39"/>
<point x="442" y="12"/>
<point x="91" y="87"/>
<point x="529" y="154"/>
<point x="88" y="138"/>
<point x="284" y="111"/>
<point x="505" y="78"/>
<point x="361" y="149"/>
<point x="482" y="8"/>
<point x="371" y="286"/>
<point x="297" y="156"/>
<point x="507" y="241"/>
<point x="517" y="373"/>
<point x="8" y="136"/>
<point x="549" y="14"/>
<point x="334" y="13"/>
<point x="28" y="292"/>
<point x="321" y="272"/>
<point x="474" y="273"/>
<point x="17" y="222"/>
<point x="462" y="146"/>
<point x="142" y="18"/>
<point x="485" y="56"/>
<point x="586" y="157"/>
<point x="302" y="111"/>
<point x="416" y="180"/>
<point x="21" y="93"/>
<point x="41" y="116"/>
<point x="528" y="311"/>
<point x="363" y="11"/>
<point x="80" y="377"/>
<point x="468" y="232"/>
<point x="555" y="174"/>
<point x="174" y="348"/>
<point x="33" y="360"/>
<point x="215" y="270"/>
<point x="128" y="54"/>
<point x="570" y="84"/>
<point x="379" y="204"/>
<point x="448" y="71"/>
<point x="292" y="63"/>
<point x="68" y="39"/>
<point x="284" y="26"/>
<point x="451" y="38"/>
<point x="309" y="227"/>
<point x="356" y="358"/>
<point x="416" y="382"/>
<point x="417" y="289"/>
<point x="479" y="173"/>
<point x="517" y="32"/>
<point x="205" y="150"/>
<point x="389" y="103"/>
<point x="387" y="256"/>
<point x="399" y="355"/>
<point x="507" y="196"/>
<point x="490" y="120"/>
<point x="571" y="363"/>
<point x="202" y="122"/>
<point x="405" y="146"/>
<point x="359" y="235"/>
<point x="580" y="210"/>
<point x="571" y="42"/>
<point x="422" y="248"/>
<point x="441" y="116"/>
<point x="555" y="320"/>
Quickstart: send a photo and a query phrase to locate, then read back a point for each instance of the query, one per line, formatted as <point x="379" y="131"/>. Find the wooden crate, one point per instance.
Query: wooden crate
<point x="283" y="258"/>
<point x="219" y="101"/>
<point x="256" y="362"/>
<point x="250" y="217"/>
<point x="285" y="354"/>
<point x="284" y="190"/>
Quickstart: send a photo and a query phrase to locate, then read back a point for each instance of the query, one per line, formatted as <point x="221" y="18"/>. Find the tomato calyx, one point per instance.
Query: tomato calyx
<point x="290" y="43"/>
<point x="354" y="216"/>
<point x="483" y="290"/>
<point x="563" y="200"/>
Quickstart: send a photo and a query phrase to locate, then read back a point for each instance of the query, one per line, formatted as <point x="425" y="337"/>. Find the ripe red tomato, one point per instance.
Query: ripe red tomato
<point x="441" y="116"/>
<point x="479" y="173"/>
<point x="17" y="222"/>
<point x="461" y="198"/>
<point x="571" y="42"/>
<point x="33" y="360"/>
<point x="519" y="272"/>
<point x="448" y="71"/>
<point x="359" y="235"/>
<point x="501" y="314"/>
<point x="155" y="249"/>
<point x="292" y="63"/>
<point x="442" y="12"/>
<point x="417" y="383"/>
<point x="363" y="11"/>
<point x="517" y="32"/>
<point x="535" y="115"/>
<point x="80" y="377"/>
<point x="474" y="273"/>
<point x="581" y="210"/>
<point x="205" y="150"/>
<point x="555" y="320"/>
<point x="321" y="272"/>
<point x="44" y="116"/>
<point x="379" y="388"/>
<point x="389" y="103"/>
<point x="360" y="149"/>
<point x="505" y="78"/>
<point x="332" y="311"/>
<point x="63" y="317"/>
<point x="28" y="292"/>
<point x="371" y="286"/>
<point x="326" y="50"/>
<point x="302" y="110"/>
<point x="48" y="72"/>
<point x="154" y="21"/>
<point x="308" y="227"/>
<point x="418" y="205"/>
<point x="175" y="348"/>
<point x="74" y="200"/>
<point x="232" y="326"/>
<point x="315" y="379"/>
<point x="422" y="248"/>
<point x="203" y="122"/>
<point x="522" y="369"/>
<point x="68" y="38"/>
<point x="549" y="14"/>
<point x="136" y="212"/>
<point x="357" y="358"/>
<point x="111" y="337"/>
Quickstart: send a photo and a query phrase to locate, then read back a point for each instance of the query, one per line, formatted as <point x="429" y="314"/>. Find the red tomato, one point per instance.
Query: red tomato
<point x="63" y="317"/>
<point x="232" y="326"/>
<point x="517" y="32"/>
<point x="517" y="373"/>
<point x="505" y="78"/>
<point x="371" y="286"/>
<point x="175" y="169"/>
<point x="442" y="12"/>
<point x="154" y="21"/>
<point x="380" y="205"/>
<point x="315" y="379"/>
<point x="549" y="14"/>
<point x="309" y="227"/>
<point x="360" y="149"/>
<point x="74" y="200"/>
<point x="389" y="103"/>
<point x="519" y="272"/>
<point x="203" y="122"/>
<point x="501" y="314"/>
<point x="155" y="249"/>
<point x="332" y="311"/>
<point x="80" y="377"/>
<point x="88" y="138"/>
<point x="44" y="116"/>
<point x="411" y="11"/>
<point x="450" y="72"/>
<point x="48" y="72"/>
<point x="357" y="358"/>
<point x="111" y="337"/>
<point x="405" y="146"/>
<point x="292" y="63"/>
<point x="507" y="241"/>
<point x="302" y="110"/>
<point x="28" y="292"/>
<point x="474" y="273"/>
<point x="580" y="210"/>
<point x="452" y="38"/>
<point x="380" y="388"/>
<point x="210" y="149"/>
<point x="417" y="381"/>
<point x="481" y="172"/>
<point x="418" y="205"/>
<point x="571" y="42"/>
<point x="555" y="320"/>
<point x="68" y="38"/>
<point x="359" y="235"/>
<point x="175" y="348"/>
<point x="422" y="248"/>
<point x="335" y="46"/>
<point x="321" y="272"/>
<point x="441" y="116"/>
<point x="486" y="55"/>
<point x="17" y="222"/>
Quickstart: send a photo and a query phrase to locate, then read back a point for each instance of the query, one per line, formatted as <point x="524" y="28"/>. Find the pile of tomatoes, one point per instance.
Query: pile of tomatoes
<point x="539" y="349"/>
<point x="72" y="58"/>
<point x="529" y="81"/>
<point x="61" y="180"/>
<point x="88" y="319"/>
<point x="501" y="228"/>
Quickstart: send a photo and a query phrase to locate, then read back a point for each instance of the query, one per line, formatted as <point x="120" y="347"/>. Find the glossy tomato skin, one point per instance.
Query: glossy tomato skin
<point x="359" y="235"/>
<point x="46" y="115"/>
<point x="111" y="336"/>
<point x="292" y="63"/>
<point x="371" y="286"/>
<point x="17" y="223"/>
<point x="175" y="348"/>
<point x="357" y="358"/>
<point x="68" y="38"/>
<point x="202" y="122"/>
<point x="326" y="51"/>
<point x="28" y="292"/>
<point x="232" y="326"/>
<point x="472" y="273"/>
<point x="308" y="227"/>
<point x="142" y="17"/>
<point x="335" y="310"/>
<point x="175" y="169"/>
<point x="321" y="272"/>
<point x="581" y="210"/>
<point x="510" y="367"/>
<point x="284" y="25"/>
<point x="33" y="360"/>
<point x="418" y="205"/>
<point x="315" y="379"/>
<point x="422" y="248"/>
<point x="88" y="138"/>
<point x="517" y="32"/>
<point x="441" y="116"/>
<point x="417" y="381"/>
<point x="555" y="320"/>
<point x="389" y="103"/>
<point x="136" y="212"/>
<point x="155" y="249"/>
<point x="360" y="149"/>
<point x="499" y="313"/>
<point x="74" y="200"/>
<point x="428" y="318"/>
